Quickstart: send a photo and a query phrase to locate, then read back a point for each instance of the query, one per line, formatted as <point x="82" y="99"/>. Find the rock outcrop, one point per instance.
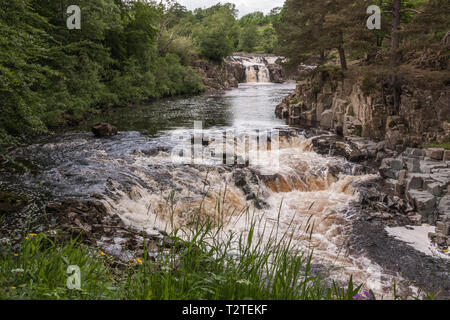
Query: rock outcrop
<point x="277" y="74"/>
<point x="423" y="178"/>
<point x="104" y="130"/>
<point x="397" y="109"/>
<point x="220" y="77"/>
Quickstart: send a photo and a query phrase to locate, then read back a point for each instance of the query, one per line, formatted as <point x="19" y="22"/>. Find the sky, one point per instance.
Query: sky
<point x="244" y="6"/>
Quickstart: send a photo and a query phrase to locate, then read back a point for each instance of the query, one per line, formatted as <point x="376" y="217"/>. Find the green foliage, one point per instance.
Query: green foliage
<point x="217" y="32"/>
<point x="256" y="18"/>
<point x="49" y="74"/>
<point x="367" y="85"/>
<point x="199" y="267"/>
<point x="257" y="34"/>
<point x="309" y="30"/>
<point x="125" y="53"/>
<point x="38" y="271"/>
<point x="444" y="145"/>
<point x="269" y="39"/>
<point x="429" y="26"/>
<point x="249" y="38"/>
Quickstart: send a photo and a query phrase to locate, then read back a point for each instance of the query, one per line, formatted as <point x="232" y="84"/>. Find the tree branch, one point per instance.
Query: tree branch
<point x="410" y="10"/>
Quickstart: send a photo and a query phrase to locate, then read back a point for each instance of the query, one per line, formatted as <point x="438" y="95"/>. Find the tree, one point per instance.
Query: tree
<point x="310" y="29"/>
<point x="301" y="33"/>
<point x="249" y="38"/>
<point x="256" y="18"/>
<point x="395" y="40"/>
<point x="51" y="76"/>
<point x="216" y="31"/>
<point x="430" y="25"/>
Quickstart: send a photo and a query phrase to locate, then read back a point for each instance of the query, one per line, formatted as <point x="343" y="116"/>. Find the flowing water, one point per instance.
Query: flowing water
<point x="137" y="175"/>
<point x="256" y="69"/>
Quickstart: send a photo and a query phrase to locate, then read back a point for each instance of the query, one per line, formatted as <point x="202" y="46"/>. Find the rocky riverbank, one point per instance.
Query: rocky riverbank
<point x="386" y="130"/>
<point x="422" y="177"/>
<point x="410" y="109"/>
<point x="119" y="190"/>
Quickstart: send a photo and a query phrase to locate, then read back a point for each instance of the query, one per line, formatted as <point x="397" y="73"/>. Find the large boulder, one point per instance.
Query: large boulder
<point x="389" y="168"/>
<point x="435" y="153"/>
<point x="413" y="165"/>
<point x="276" y="73"/>
<point x="428" y="166"/>
<point x="414" y="182"/>
<point x="333" y="146"/>
<point x="424" y="203"/>
<point x="104" y="130"/>
<point x="393" y="139"/>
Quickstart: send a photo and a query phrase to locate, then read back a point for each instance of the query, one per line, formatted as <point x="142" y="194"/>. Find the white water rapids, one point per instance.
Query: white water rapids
<point x="303" y="187"/>
<point x="138" y="180"/>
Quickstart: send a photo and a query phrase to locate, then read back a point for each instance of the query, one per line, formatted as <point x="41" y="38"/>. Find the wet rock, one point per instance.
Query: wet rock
<point x="104" y="130"/>
<point x="276" y="72"/>
<point x="333" y="146"/>
<point x="398" y="256"/>
<point x="389" y="168"/>
<point x="439" y="239"/>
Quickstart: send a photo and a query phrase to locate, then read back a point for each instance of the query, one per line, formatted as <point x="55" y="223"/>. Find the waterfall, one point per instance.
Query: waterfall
<point x="256" y="68"/>
<point x="263" y="74"/>
<point x="251" y="74"/>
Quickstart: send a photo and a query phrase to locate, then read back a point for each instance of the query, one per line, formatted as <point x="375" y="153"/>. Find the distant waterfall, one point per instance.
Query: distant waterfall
<point x="251" y="74"/>
<point x="263" y="74"/>
<point x="256" y="68"/>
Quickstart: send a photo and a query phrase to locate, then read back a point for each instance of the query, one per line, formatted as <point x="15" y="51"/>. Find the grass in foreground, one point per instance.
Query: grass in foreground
<point x="200" y="268"/>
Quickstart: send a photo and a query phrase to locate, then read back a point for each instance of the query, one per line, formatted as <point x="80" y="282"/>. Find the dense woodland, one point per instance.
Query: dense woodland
<point x="131" y="51"/>
<point x="126" y="52"/>
<point x="312" y="31"/>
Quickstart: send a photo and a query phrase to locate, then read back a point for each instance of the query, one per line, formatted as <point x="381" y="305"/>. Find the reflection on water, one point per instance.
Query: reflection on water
<point x="249" y="106"/>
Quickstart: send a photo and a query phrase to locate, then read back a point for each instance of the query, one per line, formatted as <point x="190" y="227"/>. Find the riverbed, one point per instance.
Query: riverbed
<point x="149" y="178"/>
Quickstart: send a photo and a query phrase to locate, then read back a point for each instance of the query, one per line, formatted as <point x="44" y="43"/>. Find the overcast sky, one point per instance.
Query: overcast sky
<point x="244" y="6"/>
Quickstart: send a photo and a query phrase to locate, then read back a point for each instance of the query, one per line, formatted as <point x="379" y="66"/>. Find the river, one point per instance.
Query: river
<point x="135" y="175"/>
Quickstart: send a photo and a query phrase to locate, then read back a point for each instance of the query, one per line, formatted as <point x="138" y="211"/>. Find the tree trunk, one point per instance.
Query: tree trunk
<point x="322" y="57"/>
<point x="395" y="37"/>
<point x="342" y="58"/>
